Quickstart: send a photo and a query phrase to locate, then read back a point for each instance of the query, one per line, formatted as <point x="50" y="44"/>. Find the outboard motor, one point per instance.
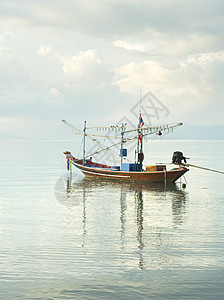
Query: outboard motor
<point x="178" y="157"/>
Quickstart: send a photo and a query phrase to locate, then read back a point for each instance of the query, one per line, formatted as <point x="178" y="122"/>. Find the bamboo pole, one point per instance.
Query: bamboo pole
<point x="190" y="165"/>
<point x="203" y="168"/>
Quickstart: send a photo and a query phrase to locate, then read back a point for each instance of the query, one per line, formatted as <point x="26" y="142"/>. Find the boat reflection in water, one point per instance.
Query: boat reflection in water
<point x="142" y="216"/>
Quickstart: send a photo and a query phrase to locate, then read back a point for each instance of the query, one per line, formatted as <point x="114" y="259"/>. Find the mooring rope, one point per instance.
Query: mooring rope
<point x="207" y="169"/>
<point x="190" y="165"/>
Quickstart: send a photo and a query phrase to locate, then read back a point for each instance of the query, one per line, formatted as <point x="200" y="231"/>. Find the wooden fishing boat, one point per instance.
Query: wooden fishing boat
<point x="129" y="171"/>
<point x="158" y="175"/>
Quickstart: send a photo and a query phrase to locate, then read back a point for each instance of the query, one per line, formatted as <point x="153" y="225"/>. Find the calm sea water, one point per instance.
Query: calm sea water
<point x="92" y="239"/>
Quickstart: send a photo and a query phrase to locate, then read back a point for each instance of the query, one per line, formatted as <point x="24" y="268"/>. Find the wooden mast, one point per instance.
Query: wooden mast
<point x="84" y="144"/>
<point x="122" y="141"/>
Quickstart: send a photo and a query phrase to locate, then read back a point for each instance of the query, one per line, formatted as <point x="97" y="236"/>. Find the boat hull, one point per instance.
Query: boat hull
<point x="146" y="176"/>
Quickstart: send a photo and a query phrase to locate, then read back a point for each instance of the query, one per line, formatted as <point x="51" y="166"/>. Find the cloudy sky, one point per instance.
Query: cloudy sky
<point x="91" y="60"/>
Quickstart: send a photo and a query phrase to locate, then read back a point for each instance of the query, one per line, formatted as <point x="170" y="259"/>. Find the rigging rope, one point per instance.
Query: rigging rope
<point x="207" y="169"/>
<point x="153" y="130"/>
<point x="190" y="165"/>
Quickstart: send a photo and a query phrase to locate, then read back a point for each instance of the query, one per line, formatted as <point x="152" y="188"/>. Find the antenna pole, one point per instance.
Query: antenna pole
<point x="140" y="101"/>
<point x="122" y="141"/>
<point x="84" y="143"/>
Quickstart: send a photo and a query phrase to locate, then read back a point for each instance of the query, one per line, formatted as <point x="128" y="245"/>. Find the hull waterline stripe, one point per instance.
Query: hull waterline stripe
<point x="110" y="175"/>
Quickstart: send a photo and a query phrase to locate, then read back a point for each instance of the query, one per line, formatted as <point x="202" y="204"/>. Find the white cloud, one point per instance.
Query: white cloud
<point x="176" y="46"/>
<point x="174" y="77"/>
<point x="191" y="85"/>
<point x="154" y="43"/>
<point x="139" y="47"/>
<point x="86" y="69"/>
<point x="54" y="92"/>
<point x="44" y="50"/>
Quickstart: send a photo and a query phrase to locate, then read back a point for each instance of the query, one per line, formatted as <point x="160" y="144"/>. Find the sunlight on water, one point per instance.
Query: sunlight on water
<point x="68" y="237"/>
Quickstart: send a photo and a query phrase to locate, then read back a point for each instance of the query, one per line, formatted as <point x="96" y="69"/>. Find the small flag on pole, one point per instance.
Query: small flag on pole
<point x="141" y="122"/>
